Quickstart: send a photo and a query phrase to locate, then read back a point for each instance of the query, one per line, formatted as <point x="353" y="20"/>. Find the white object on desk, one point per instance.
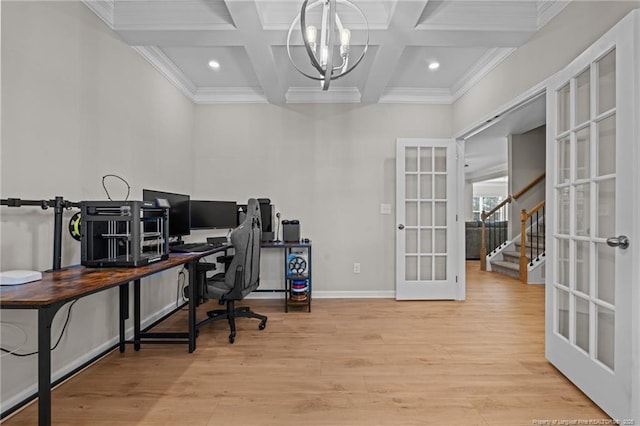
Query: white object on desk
<point x="19" y="277"/>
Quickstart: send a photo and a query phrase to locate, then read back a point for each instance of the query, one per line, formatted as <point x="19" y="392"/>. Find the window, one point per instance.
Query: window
<point x="487" y="203"/>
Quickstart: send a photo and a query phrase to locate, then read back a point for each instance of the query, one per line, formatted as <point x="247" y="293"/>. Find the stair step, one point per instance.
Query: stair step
<point x="506" y="268"/>
<point x="511" y="256"/>
<point x="507" y="265"/>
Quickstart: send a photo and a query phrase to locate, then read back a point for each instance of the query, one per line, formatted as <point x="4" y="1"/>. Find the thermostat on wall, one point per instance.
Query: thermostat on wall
<point x="19" y="277"/>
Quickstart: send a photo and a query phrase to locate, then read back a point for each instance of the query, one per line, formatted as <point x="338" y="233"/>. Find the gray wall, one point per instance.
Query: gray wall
<point x="574" y="29"/>
<point x="527" y="161"/>
<point x="329" y="167"/>
<point x="77" y="104"/>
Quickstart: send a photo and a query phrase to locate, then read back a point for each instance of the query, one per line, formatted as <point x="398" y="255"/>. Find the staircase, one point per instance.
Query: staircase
<point x="509" y="264"/>
<point x="522" y="261"/>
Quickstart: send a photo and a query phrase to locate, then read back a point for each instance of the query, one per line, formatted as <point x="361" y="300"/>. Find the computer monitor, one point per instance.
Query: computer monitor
<point x="179" y="211"/>
<point x="214" y="214"/>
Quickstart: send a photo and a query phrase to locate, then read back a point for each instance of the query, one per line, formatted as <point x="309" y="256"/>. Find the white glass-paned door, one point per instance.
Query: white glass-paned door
<point x="591" y="116"/>
<point x="426" y="216"/>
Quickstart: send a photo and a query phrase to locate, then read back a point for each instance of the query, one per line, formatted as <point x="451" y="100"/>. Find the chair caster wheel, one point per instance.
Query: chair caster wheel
<point x="262" y="325"/>
<point x="232" y="338"/>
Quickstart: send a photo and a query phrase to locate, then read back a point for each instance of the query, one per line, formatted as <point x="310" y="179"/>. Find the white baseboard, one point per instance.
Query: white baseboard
<point x="378" y="294"/>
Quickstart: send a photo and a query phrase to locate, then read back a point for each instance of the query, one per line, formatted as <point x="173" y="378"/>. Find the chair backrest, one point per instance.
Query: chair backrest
<point x="243" y="274"/>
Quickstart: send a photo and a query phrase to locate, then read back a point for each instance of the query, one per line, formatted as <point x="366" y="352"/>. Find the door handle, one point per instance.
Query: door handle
<point x="401" y="226"/>
<point x="622" y="241"/>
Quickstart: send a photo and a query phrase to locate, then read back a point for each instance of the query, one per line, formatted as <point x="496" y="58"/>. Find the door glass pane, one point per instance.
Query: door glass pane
<point x="440" y="213"/>
<point x="563" y="210"/>
<point x="411" y="268"/>
<point x="606" y="270"/>
<point x="426" y="241"/>
<point x="563" y="262"/>
<point x="582" y="266"/>
<point x="426" y="268"/>
<point x="426" y="159"/>
<point x="411" y="212"/>
<point x="440" y="187"/>
<point x="411" y="240"/>
<point x="582" y="324"/>
<point x="440" y="160"/>
<point x="606" y="142"/>
<point x="564" y="165"/>
<point x="563" y="109"/>
<point x="582" y="210"/>
<point x="605" y="332"/>
<point x="583" y="96"/>
<point x="562" y="300"/>
<point x="411" y="159"/>
<point x="583" y="154"/>
<point x="426" y="213"/>
<point x="411" y="186"/>
<point x="607" y="82"/>
<point x="440" y="240"/>
<point x="606" y="203"/>
<point x="426" y="190"/>
<point x="440" y="268"/>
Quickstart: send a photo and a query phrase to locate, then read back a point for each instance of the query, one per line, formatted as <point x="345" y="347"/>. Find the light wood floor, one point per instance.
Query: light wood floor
<point x="348" y="362"/>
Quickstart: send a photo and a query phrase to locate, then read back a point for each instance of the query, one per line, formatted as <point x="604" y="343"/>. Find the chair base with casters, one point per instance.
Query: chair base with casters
<point x="230" y="314"/>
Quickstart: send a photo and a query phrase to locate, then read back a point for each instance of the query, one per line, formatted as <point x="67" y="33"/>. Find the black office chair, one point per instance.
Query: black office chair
<point x="242" y="275"/>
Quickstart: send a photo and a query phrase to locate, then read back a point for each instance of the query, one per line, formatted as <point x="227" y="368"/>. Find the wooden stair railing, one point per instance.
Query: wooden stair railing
<point x="498" y="234"/>
<point x="534" y="221"/>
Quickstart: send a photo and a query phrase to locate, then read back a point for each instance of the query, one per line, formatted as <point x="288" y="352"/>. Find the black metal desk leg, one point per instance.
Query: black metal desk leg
<point x="136" y="315"/>
<point x="192" y="304"/>
<point x="45" y="317"/>
<point x="124" y="312"/>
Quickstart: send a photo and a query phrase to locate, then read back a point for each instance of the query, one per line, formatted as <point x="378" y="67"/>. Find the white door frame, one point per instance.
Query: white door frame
<point x="453" y="286"/>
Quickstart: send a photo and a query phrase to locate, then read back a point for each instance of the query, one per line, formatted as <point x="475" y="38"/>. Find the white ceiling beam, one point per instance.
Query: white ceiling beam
<point x="405" y="16"/>
<point x="249" y="32"/>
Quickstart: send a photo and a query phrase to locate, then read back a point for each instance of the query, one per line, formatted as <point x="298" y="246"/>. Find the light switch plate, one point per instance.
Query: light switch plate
<point x="385" y="208"/>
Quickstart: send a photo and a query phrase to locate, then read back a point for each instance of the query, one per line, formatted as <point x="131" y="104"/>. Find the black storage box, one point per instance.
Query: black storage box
<point x="291" y="230"/>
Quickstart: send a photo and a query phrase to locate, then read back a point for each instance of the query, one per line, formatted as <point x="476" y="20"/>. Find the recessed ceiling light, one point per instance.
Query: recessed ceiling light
<point x="433" y="65"/>
<point x="214" y="65"/>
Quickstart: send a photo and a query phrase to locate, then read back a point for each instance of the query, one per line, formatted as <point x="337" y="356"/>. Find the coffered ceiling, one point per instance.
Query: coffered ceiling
<point x="248" y="39"/>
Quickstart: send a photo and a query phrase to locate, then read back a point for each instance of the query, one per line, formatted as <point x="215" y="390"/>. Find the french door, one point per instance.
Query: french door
<point x="426" y="219"/>
<point x="592" y="148"/>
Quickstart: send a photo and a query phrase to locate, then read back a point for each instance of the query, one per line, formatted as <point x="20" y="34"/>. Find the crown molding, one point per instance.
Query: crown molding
<point x="168" y="69"/>
<point x="408" y="95"/>
<point x="229" y="95"/>
<point x="104" y="9"/>
<point x="479" y="70"/>
<point x="336" y="95"/>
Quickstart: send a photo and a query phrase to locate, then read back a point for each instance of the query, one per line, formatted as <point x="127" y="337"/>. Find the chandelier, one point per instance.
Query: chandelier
<point x="323" y="55"/>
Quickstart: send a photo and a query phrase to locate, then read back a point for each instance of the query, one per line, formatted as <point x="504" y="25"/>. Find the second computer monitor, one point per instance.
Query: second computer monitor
<point x="213" y="214"/>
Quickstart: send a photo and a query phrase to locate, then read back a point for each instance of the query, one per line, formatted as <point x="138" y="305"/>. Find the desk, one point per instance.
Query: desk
<point x="59" y="287"/>
<point x="287" y="249"/>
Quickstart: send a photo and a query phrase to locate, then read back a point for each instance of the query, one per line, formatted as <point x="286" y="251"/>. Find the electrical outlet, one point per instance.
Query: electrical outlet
<point x="356" y="268"/>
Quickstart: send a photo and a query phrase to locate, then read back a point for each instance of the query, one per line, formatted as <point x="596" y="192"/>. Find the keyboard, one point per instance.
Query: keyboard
<point x="217" y="241"/>
<point x="191" y="247"/>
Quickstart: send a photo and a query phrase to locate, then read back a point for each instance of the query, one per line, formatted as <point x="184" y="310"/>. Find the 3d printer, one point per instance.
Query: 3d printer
<point x="124" y="233"/>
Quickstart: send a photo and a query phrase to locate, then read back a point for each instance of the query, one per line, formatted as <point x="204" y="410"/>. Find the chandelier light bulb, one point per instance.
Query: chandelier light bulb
<point x="312" y="33"/>
<point x="345" y="37"/>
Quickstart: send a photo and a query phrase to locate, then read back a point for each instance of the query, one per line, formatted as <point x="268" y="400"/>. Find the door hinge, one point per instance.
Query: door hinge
<point x="456" y="278"/>
<point x="456" y="218"/>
